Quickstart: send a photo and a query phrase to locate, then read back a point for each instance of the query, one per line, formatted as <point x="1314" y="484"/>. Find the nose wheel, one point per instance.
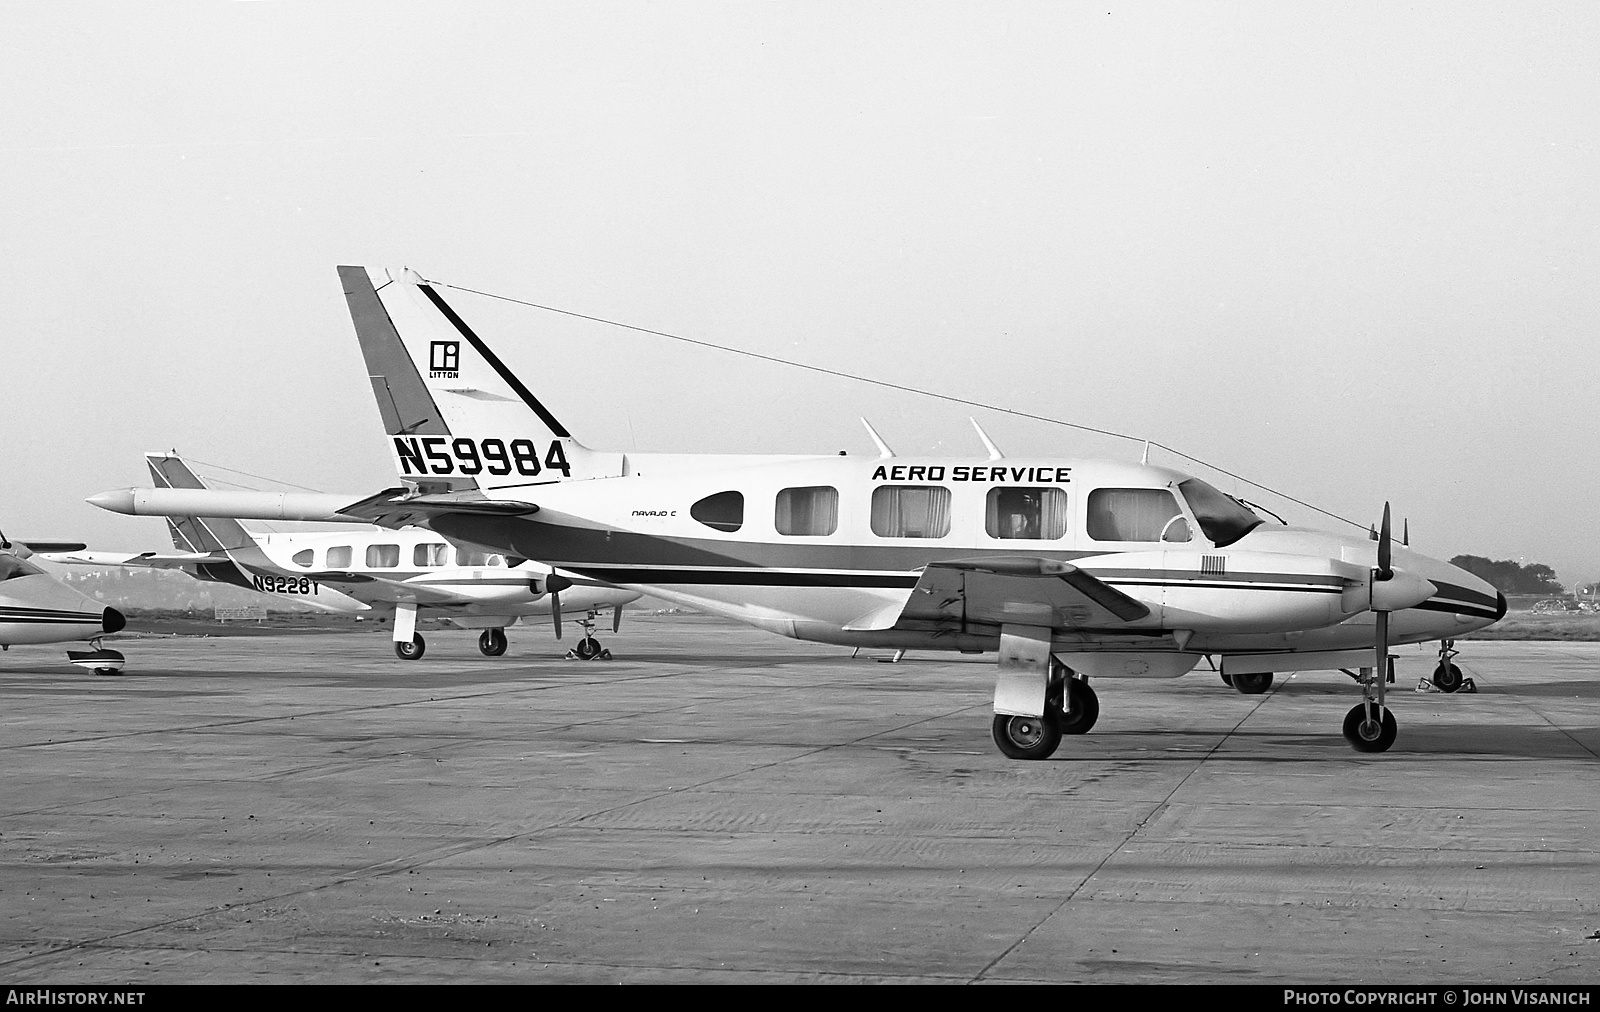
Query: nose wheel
<point x="588" y="648"/>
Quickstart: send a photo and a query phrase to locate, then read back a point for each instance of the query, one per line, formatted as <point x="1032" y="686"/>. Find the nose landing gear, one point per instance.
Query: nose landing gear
<point x="588" y="648"/>
<point x="492" y="642"/>
<point x="1370" y="726"/>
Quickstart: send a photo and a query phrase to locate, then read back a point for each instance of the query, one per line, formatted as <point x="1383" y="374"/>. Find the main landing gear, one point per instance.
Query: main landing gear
<point x="588" y="648"/>
<point x="411" y="649"/>
<point x="1071" y="707"/>
<point x="1370" y="725"/>
<point x="492" y="642"/>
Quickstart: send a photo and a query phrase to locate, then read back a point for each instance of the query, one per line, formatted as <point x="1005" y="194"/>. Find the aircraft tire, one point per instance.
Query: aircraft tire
<point x="1083" y="708"/>
<point x="108" y="671"/>
<point x="587" y="649"/>
<point x="1253" y="684"/>
<point x="492" y="642"/>
<point x="1025" y="737"/>
<point x="1227" y="679"/>
<point x="1447" y="677"/>
<point x="411" y="651"/>
<point x="1363" y="736"/>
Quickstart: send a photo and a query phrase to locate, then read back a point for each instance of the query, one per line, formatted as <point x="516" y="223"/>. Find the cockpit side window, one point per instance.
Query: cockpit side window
<point x="1136" y="514"/>
<point x="723" y="511"/>
<point x="1222" y="518"/>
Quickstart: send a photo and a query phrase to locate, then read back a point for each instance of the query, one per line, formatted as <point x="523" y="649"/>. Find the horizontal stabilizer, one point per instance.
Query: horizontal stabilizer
<point x="146" y="560"/>
<point x="400" y="507"/>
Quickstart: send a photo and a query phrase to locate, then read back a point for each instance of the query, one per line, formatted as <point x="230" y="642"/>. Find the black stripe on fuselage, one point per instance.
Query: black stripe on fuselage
<point x="506" y="374"/>
<point x="743" y="577"/>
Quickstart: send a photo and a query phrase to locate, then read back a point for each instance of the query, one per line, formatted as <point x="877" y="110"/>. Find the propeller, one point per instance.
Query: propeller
<point x="554" y="584"/>
<point x="1383" y="574"/>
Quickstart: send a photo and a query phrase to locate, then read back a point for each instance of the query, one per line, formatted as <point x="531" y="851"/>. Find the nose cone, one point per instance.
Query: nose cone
<point x="1500" y="609"/>
<point x="117" y="500"/>
<point x="113" y="621"/>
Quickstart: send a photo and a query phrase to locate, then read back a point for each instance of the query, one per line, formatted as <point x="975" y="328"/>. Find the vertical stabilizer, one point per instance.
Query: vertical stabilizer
<point x="204" y="534"/>
<point x="456" y="416"/>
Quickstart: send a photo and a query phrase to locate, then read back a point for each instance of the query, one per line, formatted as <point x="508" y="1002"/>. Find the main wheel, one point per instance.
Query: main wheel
<point x="587" y="649"/>
<point x="1447" y="677"/>
<point x="1025" y="737"/>
<point x="1227" y="679"/>
<point x="410" y="651"/>
<point x="1083" y="708"/>
<point x="1369" y="735"/>
<point x="492" y="642"/>
<point x="1253" y="684"/>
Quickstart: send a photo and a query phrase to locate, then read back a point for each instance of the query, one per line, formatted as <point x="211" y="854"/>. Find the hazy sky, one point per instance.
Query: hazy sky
<point x="1348" y="250"/>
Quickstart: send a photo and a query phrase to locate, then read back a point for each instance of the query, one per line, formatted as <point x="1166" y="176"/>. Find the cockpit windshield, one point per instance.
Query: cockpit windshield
<point x="1223" y="519"/>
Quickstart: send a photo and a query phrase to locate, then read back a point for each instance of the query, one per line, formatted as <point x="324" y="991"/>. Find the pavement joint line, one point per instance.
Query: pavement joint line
<point x="1540" y="714"/>
<point x="1157" y="809"/>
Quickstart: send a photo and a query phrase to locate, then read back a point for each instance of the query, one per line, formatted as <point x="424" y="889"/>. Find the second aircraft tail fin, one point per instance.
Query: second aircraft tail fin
<point x="203" y="534"/>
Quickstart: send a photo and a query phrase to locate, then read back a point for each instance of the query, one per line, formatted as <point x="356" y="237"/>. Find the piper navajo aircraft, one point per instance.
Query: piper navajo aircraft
<point x="405" y="571"/>
<point x="1068" y="568"/>
<point x="37" y="608"/>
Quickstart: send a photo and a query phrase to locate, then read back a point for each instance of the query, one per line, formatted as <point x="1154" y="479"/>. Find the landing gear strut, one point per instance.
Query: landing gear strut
<point x="1447" y="677"/>
<point x="588" y="648"/>
<point x="1370" y="726"/>
<point x="492" y="642"/>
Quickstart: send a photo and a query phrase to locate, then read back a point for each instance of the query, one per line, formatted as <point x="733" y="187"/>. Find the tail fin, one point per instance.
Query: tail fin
<point x="457" y="418"/>
<point x="209" y="534"/>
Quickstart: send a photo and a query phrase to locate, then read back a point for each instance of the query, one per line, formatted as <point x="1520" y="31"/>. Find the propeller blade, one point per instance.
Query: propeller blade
<point x="1385" y="544"/>
<point x="616" y="617"/>
<point x="554" y="584"/>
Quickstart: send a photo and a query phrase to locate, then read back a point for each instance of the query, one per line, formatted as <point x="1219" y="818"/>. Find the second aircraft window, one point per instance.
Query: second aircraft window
<point x="383" y="556"/>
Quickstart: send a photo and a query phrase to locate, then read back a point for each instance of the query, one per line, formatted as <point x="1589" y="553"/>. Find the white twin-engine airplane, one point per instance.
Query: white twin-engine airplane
<point x="1070" y="569"/>
<point x="354" y="571"/>
<point x="35" y="607"/>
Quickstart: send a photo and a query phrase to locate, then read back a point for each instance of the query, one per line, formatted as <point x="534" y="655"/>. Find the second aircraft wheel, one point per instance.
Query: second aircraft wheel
<point x="1083" y="708"/>
<point x="1253" y="684"/>
<point x="492" y="642"/>
<point x="410" y="651"/>
<point x="1447" y="677"/>
<point x="1369" y="735"/>
<point x="1025" y="737"/>
<point x="587" y="649"/>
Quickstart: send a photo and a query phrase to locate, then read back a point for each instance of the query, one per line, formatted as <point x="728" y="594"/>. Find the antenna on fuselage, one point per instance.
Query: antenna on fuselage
<point x="883" y="448"/>
<point x="988" y="444"/>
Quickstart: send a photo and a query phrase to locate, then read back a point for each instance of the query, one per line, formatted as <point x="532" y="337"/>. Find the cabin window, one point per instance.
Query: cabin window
<point x="339" y="558"/>
<point x="303" y="558"/>
<point x="1135" y="514"/>
<point x="810" y="511"/>
<point x="723" y="511"/>
<point x="467" y="557"/>
<point x="383" y="556"/>
<point x="430" y="555"/>
<point x="910" y="511"/>
<point x="1038" y="514"/>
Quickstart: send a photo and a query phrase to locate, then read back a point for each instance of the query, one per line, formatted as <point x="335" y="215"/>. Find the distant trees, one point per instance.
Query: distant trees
<point x="1512" y="578"/>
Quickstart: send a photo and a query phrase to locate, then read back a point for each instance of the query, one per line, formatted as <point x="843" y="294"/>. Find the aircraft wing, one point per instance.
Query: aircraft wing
<point x="399" y="507"/>
<point x="1038" y="592"/>
<point x="146" y="560"/>
<point x="376" y="588"/>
